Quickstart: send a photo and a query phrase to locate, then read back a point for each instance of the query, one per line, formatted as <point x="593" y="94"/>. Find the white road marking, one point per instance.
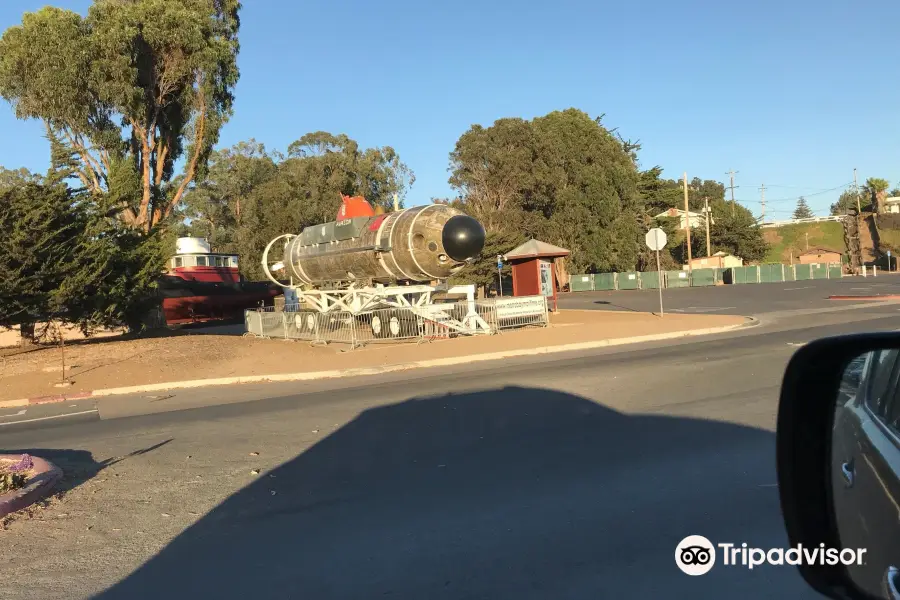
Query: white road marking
<point x="808" y="287"/>
<point x="75" y="414"/>
<point x="18" y="414"/>
<point x="796" y="344"/>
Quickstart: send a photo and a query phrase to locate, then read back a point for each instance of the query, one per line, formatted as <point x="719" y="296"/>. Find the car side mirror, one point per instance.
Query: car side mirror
<point x="838" y="455"/>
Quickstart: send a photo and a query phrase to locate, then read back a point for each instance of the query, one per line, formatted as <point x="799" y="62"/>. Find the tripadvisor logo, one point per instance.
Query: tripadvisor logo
<point x="696" y="555"/>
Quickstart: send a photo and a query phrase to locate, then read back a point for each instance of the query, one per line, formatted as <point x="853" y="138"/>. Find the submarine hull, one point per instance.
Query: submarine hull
<point x="422" y="243"/>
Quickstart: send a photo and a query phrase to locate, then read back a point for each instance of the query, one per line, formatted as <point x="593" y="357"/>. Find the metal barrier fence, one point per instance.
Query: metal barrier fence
<point x="434" y="321"/>
<point x="765" y="273"/>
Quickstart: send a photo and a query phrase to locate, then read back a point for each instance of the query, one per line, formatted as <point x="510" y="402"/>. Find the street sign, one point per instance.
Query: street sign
<point x="656" y="239"/>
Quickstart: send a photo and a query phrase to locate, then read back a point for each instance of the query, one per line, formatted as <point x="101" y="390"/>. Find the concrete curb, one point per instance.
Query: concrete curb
<point x="344" y="373"/>
<point x="870" y="297"/>
<point x="46" y="475"/>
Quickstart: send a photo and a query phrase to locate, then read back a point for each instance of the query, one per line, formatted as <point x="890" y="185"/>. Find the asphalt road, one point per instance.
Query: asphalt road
<point x="566" y="478"/>
<point x="752" y="299"/>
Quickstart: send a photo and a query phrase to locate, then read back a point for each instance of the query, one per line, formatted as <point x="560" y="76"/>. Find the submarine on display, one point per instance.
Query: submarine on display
<point x="385" y="270"/>
<point x="418" y="244"/>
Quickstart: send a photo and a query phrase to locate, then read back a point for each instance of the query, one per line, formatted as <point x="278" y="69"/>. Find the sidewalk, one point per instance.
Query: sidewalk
<point x="196" y="355"/>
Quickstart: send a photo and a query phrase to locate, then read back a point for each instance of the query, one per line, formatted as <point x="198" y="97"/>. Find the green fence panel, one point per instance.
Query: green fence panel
<point x="819" y="271"/>
<point x="649" y="280"/>
<point x="741" y="275"/>
<point x="678" y="279"/>
<point x="630" y="280"/>
<point x="604" y="281"/>
<point x="704" y="277"/>
<point x="771" y="273"/>
<point x="751" y="274"/>
<point x="804" y="272"/>
<point x="789" y="273"/>
<point x="835" y="271"/>
<point x="581" y="283"/>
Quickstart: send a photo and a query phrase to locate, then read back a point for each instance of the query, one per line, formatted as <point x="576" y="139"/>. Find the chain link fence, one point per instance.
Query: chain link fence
<point x="436" y="321"/>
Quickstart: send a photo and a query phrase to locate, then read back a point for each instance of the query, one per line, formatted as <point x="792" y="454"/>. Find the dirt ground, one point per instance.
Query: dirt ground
<point x="224" y="352"/>
<point x="10" y="337"/>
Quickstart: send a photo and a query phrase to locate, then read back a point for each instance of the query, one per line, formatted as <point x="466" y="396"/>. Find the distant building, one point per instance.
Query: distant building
<point x="892" y="204"/>
<point x="719" y="260"/>
<point x="696" y="219"/>
<point x="820" y="256"/>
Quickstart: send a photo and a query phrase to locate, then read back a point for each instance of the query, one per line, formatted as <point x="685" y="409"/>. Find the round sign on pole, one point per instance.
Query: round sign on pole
<point x="656" y="239"/>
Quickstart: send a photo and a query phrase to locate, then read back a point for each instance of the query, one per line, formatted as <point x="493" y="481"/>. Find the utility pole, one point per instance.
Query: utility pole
<point x="731" y="187"/>
<point x="687" y="223"/>
<point x="807" y="240"/>
<point x="763" y="202"/>
<point x="706" y="210"/>
<point x="856" y="186"/>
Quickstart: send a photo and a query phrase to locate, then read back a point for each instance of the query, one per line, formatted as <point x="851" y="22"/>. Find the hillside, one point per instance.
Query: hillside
<point x="789" y="239"/>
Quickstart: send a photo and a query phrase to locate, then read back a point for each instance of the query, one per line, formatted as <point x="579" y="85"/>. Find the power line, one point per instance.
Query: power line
<point x="796" y="187"/>
<point x="795" y="198"/>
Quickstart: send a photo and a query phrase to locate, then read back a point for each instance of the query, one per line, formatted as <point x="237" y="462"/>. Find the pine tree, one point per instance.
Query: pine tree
<point x="62" y="259"/>
<point x="40" y="227"/>
<point x="803" y="211"/>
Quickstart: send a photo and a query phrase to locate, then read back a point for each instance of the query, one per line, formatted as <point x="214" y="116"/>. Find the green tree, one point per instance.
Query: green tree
<point x="659" y="195"/>
<point x="847" y="202"/>
<point x="214" y="206"/>
<point x="61" y="260"/>
<point x="127" y="91"/>
<point x="39" y="236"/>
<point x="876" y="190"/>
<point x="562" y="177"/>
<point x="250" y="196"/>
<point x="803" y="211"/>
<point x="662" y="194"/>
<point x="738" y="234"/>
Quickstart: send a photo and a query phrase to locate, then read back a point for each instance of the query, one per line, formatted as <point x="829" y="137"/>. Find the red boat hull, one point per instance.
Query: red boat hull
<point x="196" y="309"/>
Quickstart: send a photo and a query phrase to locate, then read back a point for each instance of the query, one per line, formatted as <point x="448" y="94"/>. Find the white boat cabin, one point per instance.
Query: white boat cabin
<point x="195" y="252"/>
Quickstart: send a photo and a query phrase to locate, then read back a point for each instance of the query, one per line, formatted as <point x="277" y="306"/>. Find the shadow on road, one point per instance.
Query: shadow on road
<point x="507" y="493"/>
<point x="607" y="303"/>
<point x="78" y="466"/>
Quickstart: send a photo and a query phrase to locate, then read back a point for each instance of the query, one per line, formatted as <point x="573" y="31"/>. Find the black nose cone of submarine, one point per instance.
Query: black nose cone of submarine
<point x="463" y="238"/>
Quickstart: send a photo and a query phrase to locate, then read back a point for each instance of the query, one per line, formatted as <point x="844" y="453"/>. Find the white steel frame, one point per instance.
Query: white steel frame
<point x="414" y="298"/>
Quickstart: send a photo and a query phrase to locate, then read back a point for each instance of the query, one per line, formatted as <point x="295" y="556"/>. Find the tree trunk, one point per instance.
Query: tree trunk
<point x="26" y="334"/>
<point x="879" y="201"/>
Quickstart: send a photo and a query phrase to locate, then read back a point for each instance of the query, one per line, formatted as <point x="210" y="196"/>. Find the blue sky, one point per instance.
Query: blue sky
<point x="794" y="94"/>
